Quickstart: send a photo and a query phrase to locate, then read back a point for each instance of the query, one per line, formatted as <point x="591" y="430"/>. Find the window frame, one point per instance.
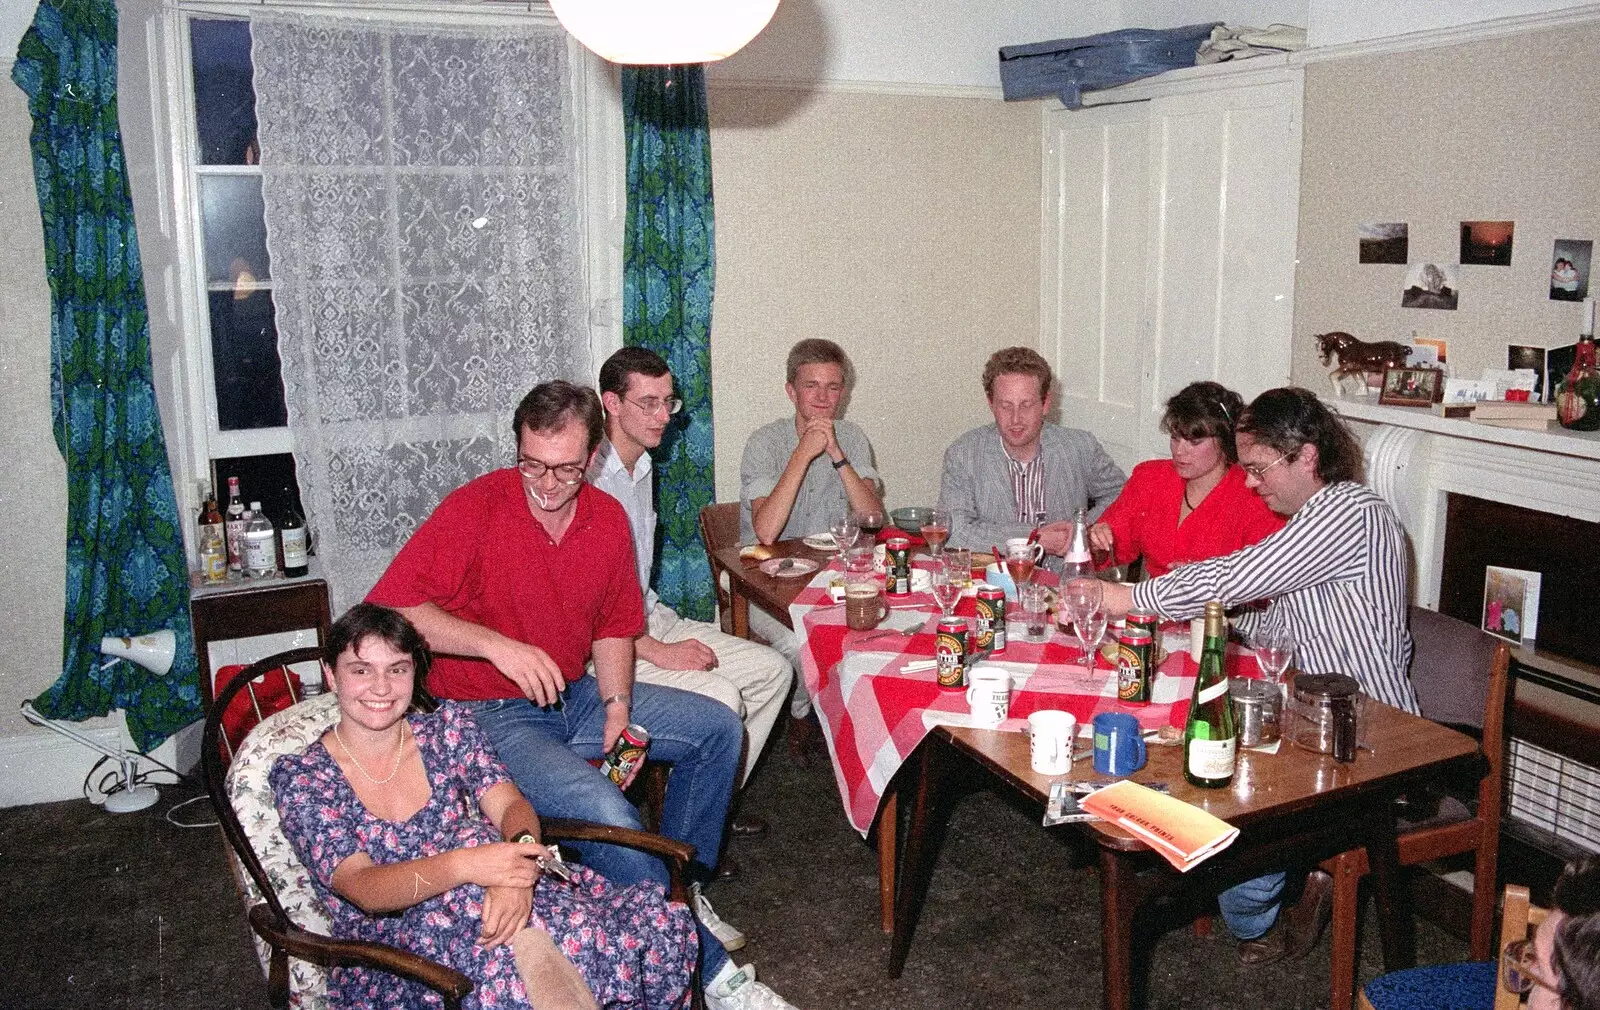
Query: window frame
<point x="601" y="183"/>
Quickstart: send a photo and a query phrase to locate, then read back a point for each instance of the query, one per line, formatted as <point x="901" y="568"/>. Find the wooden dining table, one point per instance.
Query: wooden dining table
<point x="1293" y="808"/>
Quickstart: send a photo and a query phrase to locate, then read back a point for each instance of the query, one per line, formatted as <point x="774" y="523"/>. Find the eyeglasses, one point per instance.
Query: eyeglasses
<point x="654" y="404"/>
<point x="1258" y="471"/>
<point x="566" y="473"/>
<point x="1519" y="966"/>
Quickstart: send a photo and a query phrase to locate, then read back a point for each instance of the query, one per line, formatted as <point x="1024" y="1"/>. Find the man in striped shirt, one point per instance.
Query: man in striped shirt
<point x="1336" y="579"/>
<point x="1020" y="474"/>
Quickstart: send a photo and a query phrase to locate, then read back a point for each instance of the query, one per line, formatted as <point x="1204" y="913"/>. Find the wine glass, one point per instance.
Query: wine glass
<point x="946" y="591"/>
<point x="936" y="530"/>
<point x="1088" y="628"/>
<point x="1079" y="596"/>
<point x="844" y="531"/>
<point x="1021" y="557"/>
<point x="869" y="522"/>
<point x="1274" y="648"/>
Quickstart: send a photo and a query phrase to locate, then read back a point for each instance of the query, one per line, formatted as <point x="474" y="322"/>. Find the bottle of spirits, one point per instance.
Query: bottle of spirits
<point x="1209" y="743"/>
<point x="1078" y="561"/>
<point x="293" y="535"/>
<point x="260" y="544"/>
<point x="213" y="540"/>
<point x="234" y="527"/>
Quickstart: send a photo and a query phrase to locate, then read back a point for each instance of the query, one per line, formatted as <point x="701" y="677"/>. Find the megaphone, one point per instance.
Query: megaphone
<point x="154" y="651"/>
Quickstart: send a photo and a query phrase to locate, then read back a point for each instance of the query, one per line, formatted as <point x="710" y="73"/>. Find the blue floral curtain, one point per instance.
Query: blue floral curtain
<point x="126" y="569"/>
<point x="669" y="269"/>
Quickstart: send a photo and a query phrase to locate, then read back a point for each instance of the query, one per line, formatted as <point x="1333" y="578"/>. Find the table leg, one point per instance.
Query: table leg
<point x="1118" y="902"/>
<point x="1395" y="924"/>
<point x="928" y="818"/>
<point x="888" y="826"/>
<point x="739" y="604"/>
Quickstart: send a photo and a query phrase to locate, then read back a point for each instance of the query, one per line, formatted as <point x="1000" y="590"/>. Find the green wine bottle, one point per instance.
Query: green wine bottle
<point x="1209" y="744"/>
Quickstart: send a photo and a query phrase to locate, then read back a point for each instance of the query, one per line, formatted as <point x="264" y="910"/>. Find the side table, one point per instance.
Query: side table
<point x="242" y="608"/>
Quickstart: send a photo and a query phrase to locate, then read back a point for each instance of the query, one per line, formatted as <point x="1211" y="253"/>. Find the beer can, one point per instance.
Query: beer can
<point x="950" y="651"/>
<point x="1149" y="620"/>
<point x="626" y="753"/>
<point x="897" y="565"/>
<point x="991" y="609"/>
<point x="1135" y="650"/>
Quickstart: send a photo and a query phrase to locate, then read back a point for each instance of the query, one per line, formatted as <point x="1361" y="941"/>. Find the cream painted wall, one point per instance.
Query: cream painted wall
<point x="1494" y="130"/>
<point x="33" y="494"/>
<point x="905" y="228"/>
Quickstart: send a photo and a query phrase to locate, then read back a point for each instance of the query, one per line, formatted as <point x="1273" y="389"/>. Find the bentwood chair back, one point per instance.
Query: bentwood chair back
<point x="719" y="528"/>
<point x="285" y="913"/>
<point x="1461" y="676"/>
<point x="1478" y="985"/>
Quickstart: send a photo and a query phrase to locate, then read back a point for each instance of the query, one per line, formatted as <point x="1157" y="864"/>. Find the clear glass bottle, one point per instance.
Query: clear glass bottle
<point x="213" y="539"/>
<point x="1078" y="561"/>
<point x="233" y="526"/>
<point x="260" y="544"/>
<point x="1209" y="740"/>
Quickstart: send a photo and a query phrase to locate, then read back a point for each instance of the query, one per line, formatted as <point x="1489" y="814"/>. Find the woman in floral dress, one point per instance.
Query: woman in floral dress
<point x="415" y="836"/>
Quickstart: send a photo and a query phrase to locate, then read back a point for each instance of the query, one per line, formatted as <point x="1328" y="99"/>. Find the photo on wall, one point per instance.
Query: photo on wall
<point x="1431" y="286"/>
<point x="1379" y="242"/>
<point x="1569" y="269"/>
<point x="1511" y="603"/>
<point x="1486" y="243"/>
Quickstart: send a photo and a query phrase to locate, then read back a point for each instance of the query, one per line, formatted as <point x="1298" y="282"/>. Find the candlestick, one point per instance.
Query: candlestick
<point x="1588" y="316"/>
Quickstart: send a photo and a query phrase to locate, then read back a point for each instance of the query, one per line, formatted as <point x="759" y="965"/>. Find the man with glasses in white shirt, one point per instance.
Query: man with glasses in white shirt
<point x="749" y="678"/>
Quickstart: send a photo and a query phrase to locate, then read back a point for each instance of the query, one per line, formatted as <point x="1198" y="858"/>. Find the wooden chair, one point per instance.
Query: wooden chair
<point x="1461" y="676"/>
<point x="1477" y="984"/>
<point x="719" y="528"/>
<point x="283" y="911"/>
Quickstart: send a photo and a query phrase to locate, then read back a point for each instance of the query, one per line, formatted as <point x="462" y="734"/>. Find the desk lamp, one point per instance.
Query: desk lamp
<point x="154" y="652"/>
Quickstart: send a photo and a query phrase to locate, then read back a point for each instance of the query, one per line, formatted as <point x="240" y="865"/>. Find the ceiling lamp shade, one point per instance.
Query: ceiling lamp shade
<point x="664" y="32"/>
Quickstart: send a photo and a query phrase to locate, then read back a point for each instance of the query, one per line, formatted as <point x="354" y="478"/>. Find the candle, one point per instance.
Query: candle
<point x="1588" y="316"/>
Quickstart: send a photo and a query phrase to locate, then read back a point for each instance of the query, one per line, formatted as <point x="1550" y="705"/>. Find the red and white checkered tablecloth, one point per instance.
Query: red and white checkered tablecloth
<point x="872" y="710"/>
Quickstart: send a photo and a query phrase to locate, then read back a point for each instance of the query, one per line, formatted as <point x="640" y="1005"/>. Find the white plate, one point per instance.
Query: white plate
<point x="788" y="568"/>
<point x="819" y="541"/>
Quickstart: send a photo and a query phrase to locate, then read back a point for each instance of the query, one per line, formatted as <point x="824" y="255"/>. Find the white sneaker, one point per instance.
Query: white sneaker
<point x="741" y="991"/>
<point x="730" y="936"/>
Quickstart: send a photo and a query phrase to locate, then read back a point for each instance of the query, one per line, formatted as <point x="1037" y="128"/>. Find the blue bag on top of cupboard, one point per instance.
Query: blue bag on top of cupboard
<point x="1069" y="67"/>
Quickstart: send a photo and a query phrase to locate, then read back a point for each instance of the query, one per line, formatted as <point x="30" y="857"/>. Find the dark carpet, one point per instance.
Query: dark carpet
<point x="129" y="911"/>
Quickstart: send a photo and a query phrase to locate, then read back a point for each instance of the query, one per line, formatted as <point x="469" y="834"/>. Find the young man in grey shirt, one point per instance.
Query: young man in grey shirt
<point x="798" y="473"/>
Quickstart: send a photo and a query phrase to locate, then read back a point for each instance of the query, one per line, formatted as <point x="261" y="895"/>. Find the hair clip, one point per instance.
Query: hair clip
<point x="1224" y="408"/>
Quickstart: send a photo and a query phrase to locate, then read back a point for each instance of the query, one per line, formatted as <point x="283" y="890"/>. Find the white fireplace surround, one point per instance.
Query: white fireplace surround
<point x="1415" y="458"/>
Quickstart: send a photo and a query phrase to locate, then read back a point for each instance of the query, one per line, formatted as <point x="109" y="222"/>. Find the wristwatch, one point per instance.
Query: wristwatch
<point x="841" y="462"/>
<point x="626" y="697"/>
<point x="524" y="837"/>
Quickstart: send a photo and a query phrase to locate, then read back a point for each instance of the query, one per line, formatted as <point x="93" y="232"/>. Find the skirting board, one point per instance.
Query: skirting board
<point x="45" y="767"/>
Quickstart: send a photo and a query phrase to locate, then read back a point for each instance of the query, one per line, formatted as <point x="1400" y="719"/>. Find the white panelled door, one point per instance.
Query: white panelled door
<point x="1169" y="250"/>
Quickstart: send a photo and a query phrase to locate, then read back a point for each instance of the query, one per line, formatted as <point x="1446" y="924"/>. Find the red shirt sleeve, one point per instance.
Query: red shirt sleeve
<point x="436" y="564"/>
<point x="1128" y="516"/>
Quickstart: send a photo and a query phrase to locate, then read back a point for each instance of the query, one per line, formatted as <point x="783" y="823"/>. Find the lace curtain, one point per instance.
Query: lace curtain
<point x="421" y="205"/>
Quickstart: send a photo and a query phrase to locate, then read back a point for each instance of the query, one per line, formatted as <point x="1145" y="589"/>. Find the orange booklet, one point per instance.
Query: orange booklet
<point x="1184" y="834"/>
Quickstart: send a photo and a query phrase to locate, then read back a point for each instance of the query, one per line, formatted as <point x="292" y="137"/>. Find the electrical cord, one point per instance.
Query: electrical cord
<point x="110" y="782"/>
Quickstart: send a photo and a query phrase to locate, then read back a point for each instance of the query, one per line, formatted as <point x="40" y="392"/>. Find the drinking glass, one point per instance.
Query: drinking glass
<point x="1088" y="628"/>
<point x="1078" y="597"/>
<point x="936" y="530"/>
<point x="1020" y="560"/>
<point x="1035" y="601"/>
<point x="844" y="530"/>
<point x="1274" y="648"/>
<point x="946" y="591"/>
<point x="869" y="522"/>
<point x="960" y="560"/>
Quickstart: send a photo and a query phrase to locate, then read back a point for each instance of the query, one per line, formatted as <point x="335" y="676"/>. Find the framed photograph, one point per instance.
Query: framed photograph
<point x="1411" y="387"/>
<point x="1511" y="603"/>
<point x="1569" y="269"/>
<point x="1382" y="242"/>
<point x="1431" y="286"/>
<point x="1487" y="243"/>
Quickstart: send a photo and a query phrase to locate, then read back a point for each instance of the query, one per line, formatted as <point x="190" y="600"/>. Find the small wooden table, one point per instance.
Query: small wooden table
<point x="1293" y="808"/>
<point x="244" y="608"/>
<point x="749" y="584"/>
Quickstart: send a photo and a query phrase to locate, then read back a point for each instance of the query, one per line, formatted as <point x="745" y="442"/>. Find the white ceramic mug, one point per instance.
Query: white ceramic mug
<point x="1050" y="738"/>
<point x="988" y="695"/>
<point x="1020" y="547"/>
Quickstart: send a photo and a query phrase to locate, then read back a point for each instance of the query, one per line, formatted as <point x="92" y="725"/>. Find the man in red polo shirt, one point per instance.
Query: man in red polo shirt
<point x="517" y="579"/>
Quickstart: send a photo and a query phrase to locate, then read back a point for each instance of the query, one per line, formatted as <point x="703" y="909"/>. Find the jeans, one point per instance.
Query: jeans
<point x="1251" y="908"/>
<point x="547" y="752"/>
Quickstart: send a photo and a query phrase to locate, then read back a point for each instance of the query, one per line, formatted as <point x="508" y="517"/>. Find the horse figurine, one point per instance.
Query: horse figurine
<point x="1359" y="358"/>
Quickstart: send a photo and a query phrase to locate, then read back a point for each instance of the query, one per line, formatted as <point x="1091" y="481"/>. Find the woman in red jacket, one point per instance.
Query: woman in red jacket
<point x="1193" y="506"/>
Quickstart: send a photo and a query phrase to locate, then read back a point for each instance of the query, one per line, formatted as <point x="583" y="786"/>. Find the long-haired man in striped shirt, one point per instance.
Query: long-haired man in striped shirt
<point x="1336" y="579"/>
